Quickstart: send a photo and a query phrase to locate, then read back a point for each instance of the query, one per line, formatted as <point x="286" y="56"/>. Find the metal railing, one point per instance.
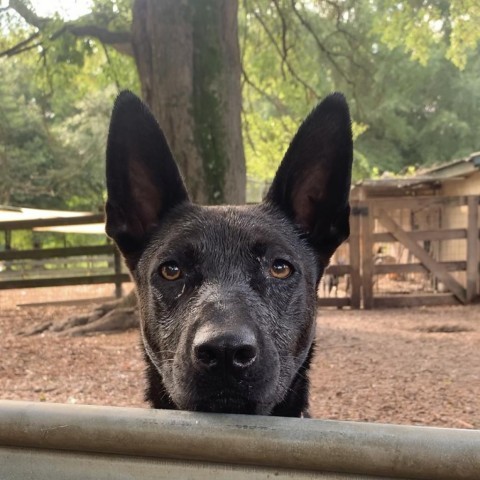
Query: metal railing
<point x="55" y="441"/>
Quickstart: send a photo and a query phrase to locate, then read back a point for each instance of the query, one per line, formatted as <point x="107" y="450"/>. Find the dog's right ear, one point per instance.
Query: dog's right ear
<point x="312" y="184"/>
<point x="143" y="181"/>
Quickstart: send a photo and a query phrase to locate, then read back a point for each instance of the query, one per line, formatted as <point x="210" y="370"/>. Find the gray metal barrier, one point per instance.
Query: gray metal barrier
<point x="53" y="441"/>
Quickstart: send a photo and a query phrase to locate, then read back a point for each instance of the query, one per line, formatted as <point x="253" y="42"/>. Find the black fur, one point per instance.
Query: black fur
<point x="227" y="295"/>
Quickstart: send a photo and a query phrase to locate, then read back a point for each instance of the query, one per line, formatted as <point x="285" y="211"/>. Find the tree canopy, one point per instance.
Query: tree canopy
<point x="410" y="70"/>
<point x="413" y="102"/>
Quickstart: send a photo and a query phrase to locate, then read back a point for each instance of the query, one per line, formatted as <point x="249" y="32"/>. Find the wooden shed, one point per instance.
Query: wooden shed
<point x="415" y="239"/>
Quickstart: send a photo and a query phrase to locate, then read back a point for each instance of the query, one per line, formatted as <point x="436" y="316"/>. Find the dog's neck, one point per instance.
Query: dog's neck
<point x="295" y="404"/>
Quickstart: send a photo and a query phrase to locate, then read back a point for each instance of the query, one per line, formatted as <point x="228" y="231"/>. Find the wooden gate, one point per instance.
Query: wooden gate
<point x="428" y="241"/>
<point x="407" y="251"/>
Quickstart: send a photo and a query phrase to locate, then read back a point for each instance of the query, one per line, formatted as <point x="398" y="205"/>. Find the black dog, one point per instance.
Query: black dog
<point x="227" y="294"/>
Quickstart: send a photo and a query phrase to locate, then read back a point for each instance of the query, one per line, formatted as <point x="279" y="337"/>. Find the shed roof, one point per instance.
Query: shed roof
<point x="456" y="168"/>
<point x="425" y="181"/>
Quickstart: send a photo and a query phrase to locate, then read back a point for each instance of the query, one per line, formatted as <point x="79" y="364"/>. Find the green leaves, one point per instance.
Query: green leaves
<point x="465" y="34"/>
<point x="410" y="104"/>
<point x="422" y="28"/>
<point x="410" y="70"/>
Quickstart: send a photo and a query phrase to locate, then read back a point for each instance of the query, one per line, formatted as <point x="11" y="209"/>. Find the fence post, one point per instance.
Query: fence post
<point x="8" y="247"/>
<point x="354" y="249"/>
<point x="473" y="250"/>
<point x="367" y="256"/>
<point x="118" y="271"/>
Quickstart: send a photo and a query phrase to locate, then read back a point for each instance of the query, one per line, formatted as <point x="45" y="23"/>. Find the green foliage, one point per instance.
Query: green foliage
<point x="415" y="26"/>
<point x="410" y="104"/>
<point x="28" y="239"/>
<point x="84" y="135"/>
<point x="293" y="56"/>
<point x="422" y="27"/>
<point x="465" y="33"/>
<point x="410" y="70"/>
<point x="48" y="161"/>
<point x="27" y="151"/>
<point x="280" y="86"/>
<point x="430" y="120"/>
<point x="55" y="103"/>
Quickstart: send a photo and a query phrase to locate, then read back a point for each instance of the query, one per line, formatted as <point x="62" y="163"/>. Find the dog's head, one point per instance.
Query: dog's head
<point x="227" y="294"/>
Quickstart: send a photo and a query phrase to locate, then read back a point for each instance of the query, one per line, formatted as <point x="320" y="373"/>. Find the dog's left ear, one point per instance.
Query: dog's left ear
<point x="143" y="181"/>
<point x="312" y="184"/>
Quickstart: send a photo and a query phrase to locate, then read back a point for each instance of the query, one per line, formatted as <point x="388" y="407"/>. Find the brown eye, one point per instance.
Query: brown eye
<point x="170" y="271"/>
<point x="281" y="269"/>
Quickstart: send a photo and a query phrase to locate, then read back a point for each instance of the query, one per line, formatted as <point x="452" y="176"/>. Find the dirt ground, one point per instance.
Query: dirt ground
<point x="409" y="366"/>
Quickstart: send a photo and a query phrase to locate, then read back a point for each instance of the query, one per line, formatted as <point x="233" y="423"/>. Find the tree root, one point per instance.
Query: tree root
<point x="117" y="320"/>
<point x="117" y="316"/>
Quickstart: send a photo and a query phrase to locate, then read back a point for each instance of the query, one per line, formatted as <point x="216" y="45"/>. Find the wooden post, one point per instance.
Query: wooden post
<point x="118" y="271"/>
<point x="8" y="239"/>
<point x="473" y="251"/>
<point x="354" y="249"/>
<point x="8" y="247"/>
<point x="367" y="256"/>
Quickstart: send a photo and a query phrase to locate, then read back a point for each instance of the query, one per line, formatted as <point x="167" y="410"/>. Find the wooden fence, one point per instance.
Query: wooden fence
<point x="54" y="441"/>
<point x="54" y="267"/>
<point x="382" y="224"/>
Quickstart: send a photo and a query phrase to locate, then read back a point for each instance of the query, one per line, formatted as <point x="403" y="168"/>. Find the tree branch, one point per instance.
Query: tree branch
<point x="247" y="129"/>
<point x="339" y="28"/>
<point x="286" y="61"/>
<point x="27" y="14"/>
<point x="21" y="46"/>
<point x="18" y="51"/>
<point x="109" y="61"/>
<point x="277" y="103"/>
<point x="349" y="37"/>
<point x="120" y="41"/>
<point x="284" y="35"/>
<point x="320" y="45"/>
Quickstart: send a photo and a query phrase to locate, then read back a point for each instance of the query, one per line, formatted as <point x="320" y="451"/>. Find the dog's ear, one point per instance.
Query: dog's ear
<point x="143" y="181"/>
<point x="312" y="184"/>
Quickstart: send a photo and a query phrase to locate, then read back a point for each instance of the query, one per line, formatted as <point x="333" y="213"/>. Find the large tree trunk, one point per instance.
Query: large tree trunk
<point x="188" y="59"/>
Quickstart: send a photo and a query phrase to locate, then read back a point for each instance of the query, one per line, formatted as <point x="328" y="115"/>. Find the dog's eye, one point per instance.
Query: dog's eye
<point x="281" y="269"/>
<point x="170" y="271"/>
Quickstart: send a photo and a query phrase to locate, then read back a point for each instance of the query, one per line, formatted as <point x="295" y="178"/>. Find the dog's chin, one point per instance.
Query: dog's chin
<point x="226" y="405"/>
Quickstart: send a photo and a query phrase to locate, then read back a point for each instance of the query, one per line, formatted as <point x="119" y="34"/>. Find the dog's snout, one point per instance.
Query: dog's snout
<point x="232" y="351"/>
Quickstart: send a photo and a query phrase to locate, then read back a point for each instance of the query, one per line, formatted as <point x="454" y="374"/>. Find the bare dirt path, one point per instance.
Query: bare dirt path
<point x="410" y="366"/>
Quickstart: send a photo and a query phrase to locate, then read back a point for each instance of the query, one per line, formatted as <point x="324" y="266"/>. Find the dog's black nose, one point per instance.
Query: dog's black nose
<point x="232" y="351"/>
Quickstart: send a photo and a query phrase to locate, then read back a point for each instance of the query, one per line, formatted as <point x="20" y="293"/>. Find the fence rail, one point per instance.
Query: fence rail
<point x="51" y="222"/>
<point x="54" y="267"/>
<point x="44" y="253"/>
<point x="71" y="441"/>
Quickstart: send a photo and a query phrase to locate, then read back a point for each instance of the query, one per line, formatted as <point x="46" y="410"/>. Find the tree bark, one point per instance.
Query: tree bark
<point x="188" y="60"/>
